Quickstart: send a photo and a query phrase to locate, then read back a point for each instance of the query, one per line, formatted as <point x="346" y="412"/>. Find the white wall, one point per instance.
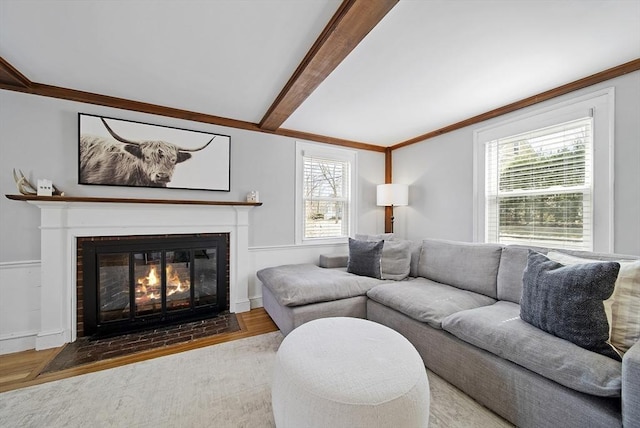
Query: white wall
<point x="40" y="136"/>
<point x="440" y="174"/>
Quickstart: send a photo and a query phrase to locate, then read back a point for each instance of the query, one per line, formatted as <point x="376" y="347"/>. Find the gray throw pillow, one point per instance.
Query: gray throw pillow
<point x="396" y="260"/>
<point x="364" y="258"/>
<point x="567" y="301"/>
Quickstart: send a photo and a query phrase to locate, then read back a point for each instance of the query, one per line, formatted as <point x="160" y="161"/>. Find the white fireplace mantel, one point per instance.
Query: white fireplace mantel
<point x="64" y="220"/>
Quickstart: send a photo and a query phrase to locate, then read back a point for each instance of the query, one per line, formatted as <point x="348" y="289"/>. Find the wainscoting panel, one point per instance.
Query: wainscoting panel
<point x="19" y="305"/>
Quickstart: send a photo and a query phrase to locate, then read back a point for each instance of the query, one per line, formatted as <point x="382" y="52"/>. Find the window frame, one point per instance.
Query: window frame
<point x="333" y="153"/>
<point x="599" y="105"/>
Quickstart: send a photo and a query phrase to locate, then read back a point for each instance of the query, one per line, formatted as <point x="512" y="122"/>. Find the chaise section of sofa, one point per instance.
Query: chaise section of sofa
<point x="295" y="294"/>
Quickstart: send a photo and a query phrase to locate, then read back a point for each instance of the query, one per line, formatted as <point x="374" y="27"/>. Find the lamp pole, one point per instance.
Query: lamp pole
<point x="390" y="195"/>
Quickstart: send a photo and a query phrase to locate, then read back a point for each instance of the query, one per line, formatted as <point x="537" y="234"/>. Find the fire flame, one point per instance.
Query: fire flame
<point x="174" y="283"/>
<point x="149" y="287"/>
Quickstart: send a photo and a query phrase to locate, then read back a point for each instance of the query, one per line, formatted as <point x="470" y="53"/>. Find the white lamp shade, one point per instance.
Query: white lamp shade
<point x="392" y="194"/>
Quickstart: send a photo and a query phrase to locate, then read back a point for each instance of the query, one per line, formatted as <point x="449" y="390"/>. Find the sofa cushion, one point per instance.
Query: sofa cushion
<point x="333" y="260"/>
<point x="623" y="307"/>
<point x="512" y="264"/>
<point x="416" y="251"/>
<point x="301" y="284"/>
<point x="567" y="301"/>
<point x="364" y="258"/>
<point x="469" y="266"/>
<point x="425" y="300"/>
<point x="498" y="329"/>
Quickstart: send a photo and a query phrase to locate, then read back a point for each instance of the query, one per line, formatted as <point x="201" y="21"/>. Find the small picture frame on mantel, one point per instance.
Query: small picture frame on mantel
<point x="253" y="196"/>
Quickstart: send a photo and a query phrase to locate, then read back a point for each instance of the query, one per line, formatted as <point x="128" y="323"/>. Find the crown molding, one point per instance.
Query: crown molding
<point x="10" y="76"/>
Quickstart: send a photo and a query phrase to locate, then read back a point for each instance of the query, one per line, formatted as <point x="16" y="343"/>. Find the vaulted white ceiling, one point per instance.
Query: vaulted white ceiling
<point x="427" y="64"/>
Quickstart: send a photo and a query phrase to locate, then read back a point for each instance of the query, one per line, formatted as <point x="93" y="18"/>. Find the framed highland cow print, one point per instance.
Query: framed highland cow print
<point x="116" y="152"/>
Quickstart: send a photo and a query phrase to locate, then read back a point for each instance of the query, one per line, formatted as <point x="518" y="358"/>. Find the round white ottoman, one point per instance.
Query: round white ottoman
<point x="348" y="372"/>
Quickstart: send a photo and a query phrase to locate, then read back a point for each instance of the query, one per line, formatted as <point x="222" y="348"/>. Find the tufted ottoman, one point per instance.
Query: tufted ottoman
<point x="349" y="372"/>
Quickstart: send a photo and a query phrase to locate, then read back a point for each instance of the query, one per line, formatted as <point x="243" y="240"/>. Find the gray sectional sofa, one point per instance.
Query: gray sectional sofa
<point x="460" y="307"/>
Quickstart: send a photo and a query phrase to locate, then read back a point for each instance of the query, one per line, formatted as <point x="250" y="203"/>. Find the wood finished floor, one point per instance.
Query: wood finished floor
<point x="24" y="368"/>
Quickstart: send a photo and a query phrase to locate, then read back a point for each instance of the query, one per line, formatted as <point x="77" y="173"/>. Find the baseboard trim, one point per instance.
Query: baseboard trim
<point x="51" y="339"/>
<point x="244" y="306"/>
<point x="256" y="302"/>
<point x="18" y="342"/>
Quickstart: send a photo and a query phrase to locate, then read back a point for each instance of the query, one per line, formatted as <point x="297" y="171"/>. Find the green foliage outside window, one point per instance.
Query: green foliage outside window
<point x="541" y="189"/>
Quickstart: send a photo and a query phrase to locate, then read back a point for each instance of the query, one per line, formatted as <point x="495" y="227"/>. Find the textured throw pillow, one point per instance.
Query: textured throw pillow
<point x="364" y="257"/>
<point x="623" y="307"/>
<point x="567" y="301"/>
<point x="396" y="260"/>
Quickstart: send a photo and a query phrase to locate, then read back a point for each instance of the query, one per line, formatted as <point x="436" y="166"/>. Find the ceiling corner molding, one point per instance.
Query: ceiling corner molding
<point x="602" y="76"/>
<point x="353" y="20"/>
<point x="325" y="139"/>
<point x="12" y="77"/>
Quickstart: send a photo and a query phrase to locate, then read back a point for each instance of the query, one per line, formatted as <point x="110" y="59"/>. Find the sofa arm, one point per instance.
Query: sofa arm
<point x="333" y="261"/>
<point x="631" y="387"/>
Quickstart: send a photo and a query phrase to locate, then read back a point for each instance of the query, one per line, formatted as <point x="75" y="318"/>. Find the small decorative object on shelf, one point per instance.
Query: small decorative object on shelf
<point x="253" y="196"/>
<point x="45" y="187"/>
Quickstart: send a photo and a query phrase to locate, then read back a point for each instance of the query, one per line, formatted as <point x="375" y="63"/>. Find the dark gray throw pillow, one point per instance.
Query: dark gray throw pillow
<point x="567" y="301"/>
<point x="364" y="258"/>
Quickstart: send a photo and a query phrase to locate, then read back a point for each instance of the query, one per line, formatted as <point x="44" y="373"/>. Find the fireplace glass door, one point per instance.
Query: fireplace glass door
<point x="145" y="282"/>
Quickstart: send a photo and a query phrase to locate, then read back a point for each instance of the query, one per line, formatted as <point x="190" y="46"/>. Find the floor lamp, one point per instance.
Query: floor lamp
<point x="390" y="195"/>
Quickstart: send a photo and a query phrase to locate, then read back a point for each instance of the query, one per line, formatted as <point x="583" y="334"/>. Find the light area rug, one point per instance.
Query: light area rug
<point x="225" y="385"/>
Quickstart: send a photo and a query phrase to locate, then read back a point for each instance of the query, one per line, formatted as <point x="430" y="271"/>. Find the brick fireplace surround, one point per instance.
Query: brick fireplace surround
<point x="63" y="220"/>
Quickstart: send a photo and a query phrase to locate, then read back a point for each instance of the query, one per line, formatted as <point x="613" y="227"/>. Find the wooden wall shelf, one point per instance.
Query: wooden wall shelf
<point x="127" y="200"/>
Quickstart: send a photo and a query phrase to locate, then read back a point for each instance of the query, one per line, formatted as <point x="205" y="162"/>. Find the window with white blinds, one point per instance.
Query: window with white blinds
<point x="539" y="187"/>
<point x="325" y="192"/>
<point x="544" y="177"/>
<point x="326" y="197"/>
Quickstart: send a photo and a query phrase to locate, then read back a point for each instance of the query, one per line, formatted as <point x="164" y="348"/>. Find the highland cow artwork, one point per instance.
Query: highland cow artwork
<point x="115" y="152"/>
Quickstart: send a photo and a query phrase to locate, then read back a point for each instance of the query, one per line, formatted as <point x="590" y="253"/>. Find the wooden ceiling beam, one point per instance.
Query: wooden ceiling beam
<point x="10" y="76"/>
<point x="353" y="20"/>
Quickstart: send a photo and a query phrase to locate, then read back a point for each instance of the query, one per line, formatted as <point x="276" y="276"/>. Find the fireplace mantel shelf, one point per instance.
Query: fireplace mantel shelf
<point x="128" y="200"/>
